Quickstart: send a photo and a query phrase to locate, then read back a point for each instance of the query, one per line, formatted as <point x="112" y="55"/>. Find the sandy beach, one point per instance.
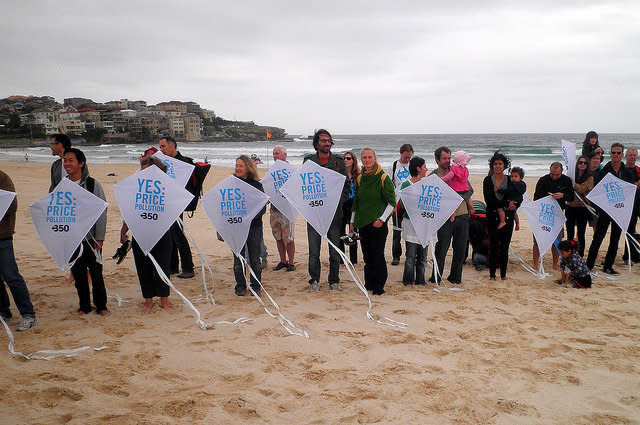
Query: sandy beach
<point x="520" y="351"/>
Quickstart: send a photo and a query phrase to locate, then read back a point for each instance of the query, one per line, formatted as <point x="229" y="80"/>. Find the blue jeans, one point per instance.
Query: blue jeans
<point x="314" y="252"/>
<point x="10" y="275"/>
<point x="456" y="234"/>
<point x="414" y="260"/>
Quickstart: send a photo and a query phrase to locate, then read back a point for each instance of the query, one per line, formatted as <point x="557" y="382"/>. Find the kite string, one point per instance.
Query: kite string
<point x="527" y="267"/>
<point x="354" y="275"/>
<point x="203" y="263"/>
<point x="166" y="280"/>
<point x="284" y="322"/>
<point x="44" y="354"/>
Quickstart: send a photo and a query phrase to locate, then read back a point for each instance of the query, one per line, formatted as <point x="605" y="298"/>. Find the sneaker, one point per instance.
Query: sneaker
<point x="186" y="275"/>
<point x="291" y="267"/>
<point x="241" y="290"/>
<point x="280" y="266"/>
<point x="335" y="286"/>
<point x="395" y="262"/>
<point x="314" y="286"/>
<point x="609" y="270"/>
<point x="26" y="323"/>
<point x="256" y="288"/>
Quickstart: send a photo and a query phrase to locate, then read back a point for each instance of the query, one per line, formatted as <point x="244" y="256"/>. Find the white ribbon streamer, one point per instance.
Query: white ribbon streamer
<point x="351" y="269"/>
<point x="203" y="264"/>
<point x="45" y="354"/>
<point x="166" y="280"/>
<point x="540" y="274"/>
<point x="284" y="322"/>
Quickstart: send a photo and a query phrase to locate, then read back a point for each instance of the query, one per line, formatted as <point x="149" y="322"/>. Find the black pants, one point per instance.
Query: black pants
<point x="499" y="241"/>
<point x="87" y="261"/>
<point x="583" y="281"/>
<point x="180" y="245"/>
<point x="151" y="283"/>
<point x="344" y="229"/>
<point x="598" y="236"/>
<point x="635" y="254"/>
<point x="396" y="245"/>
<point x="252" y="249"/>
<point x="373" y="241"/>
<point x="577" y="217"/>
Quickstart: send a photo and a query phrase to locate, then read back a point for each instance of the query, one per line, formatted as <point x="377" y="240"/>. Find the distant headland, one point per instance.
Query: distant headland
<point x="27" y="120"/>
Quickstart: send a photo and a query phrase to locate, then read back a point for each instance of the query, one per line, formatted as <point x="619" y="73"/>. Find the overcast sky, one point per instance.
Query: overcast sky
<point x="358" y="67"/>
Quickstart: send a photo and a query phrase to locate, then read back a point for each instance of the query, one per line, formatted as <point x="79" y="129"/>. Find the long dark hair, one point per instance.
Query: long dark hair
<point x="581" y="178"/>
<point x="588" y="137"/>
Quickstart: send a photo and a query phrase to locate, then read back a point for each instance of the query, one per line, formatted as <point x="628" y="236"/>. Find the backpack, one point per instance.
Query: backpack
<point x="194" y="186"/>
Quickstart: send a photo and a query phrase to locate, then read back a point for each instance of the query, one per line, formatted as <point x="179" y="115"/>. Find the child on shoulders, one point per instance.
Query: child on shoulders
<point x="458" y="177"/>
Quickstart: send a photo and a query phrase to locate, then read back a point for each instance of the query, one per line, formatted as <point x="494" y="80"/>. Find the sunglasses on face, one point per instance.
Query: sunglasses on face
<point x="582" y="163"/>
<point x="616" y="153"/>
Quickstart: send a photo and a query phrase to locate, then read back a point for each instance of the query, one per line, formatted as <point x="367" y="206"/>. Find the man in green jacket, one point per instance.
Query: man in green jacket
<point x="322" y="143"/>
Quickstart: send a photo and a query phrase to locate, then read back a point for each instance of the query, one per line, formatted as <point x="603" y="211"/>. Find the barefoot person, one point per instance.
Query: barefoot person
<point x="74" y="162"/>
<point x="151" y="283"/>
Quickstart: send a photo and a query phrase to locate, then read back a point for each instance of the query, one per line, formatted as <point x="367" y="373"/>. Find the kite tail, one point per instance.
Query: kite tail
<point x="284" y="322"/>
<point x="203" y="264"/>
<point x="351" y="269"/>
<point x="540" y="274"/>
<point x="45" y="354"/>
<point x="166" y="280"/>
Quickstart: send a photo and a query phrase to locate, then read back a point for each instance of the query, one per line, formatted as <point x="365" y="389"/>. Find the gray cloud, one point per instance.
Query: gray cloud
<point x="361" y="67"/>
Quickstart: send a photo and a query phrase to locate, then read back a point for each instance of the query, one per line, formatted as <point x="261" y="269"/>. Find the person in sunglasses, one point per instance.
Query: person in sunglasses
<point x="617" y="168"/>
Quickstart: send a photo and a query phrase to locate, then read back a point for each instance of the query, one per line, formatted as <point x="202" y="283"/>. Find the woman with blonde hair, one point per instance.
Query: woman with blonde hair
<point x="373" y="202"/>
<point x="247" y="172"/>
<point x="353" y="171"/>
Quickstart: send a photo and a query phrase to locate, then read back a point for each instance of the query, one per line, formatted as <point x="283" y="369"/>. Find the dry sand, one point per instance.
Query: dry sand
<point x="521" y="351"/>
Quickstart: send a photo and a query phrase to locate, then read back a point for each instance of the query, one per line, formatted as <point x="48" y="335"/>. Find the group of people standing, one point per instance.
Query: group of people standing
<point x="368" y="199"/>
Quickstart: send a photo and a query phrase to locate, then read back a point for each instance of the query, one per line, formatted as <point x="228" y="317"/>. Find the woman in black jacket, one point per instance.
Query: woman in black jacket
<point x="246" y="171"/>
<point x="494" y="186"/>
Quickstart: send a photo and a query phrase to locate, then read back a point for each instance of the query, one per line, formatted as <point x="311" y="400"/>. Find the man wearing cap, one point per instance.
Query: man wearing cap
<point x="322" y="143"/>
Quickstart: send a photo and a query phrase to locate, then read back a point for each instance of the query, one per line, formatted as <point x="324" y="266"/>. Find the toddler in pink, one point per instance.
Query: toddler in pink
<point x="458" y="176"/>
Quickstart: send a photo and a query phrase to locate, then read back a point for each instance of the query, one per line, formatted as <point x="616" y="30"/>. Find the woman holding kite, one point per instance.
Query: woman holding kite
<point x="151" y="283"/>
<point x="247" y="172"/>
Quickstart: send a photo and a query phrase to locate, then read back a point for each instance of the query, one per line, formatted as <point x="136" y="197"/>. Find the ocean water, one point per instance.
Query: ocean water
<point x="533" y="152"/>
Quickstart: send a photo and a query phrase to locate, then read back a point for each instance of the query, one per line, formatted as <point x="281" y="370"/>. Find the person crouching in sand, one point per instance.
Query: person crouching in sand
<point x="578" y="273"/>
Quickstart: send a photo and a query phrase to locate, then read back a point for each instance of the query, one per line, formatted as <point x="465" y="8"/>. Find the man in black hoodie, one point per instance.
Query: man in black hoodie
<point x="168" y="147"/>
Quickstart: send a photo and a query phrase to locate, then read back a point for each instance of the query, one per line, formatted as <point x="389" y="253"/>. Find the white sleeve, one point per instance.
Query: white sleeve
<point x="353" y="216"/>
<point x="387" y="212"/>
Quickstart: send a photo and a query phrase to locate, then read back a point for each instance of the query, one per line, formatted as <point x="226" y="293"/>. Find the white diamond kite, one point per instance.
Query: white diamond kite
<point x="429" y="202"/>
<point x="569" y="159"/>
<point x="315" y="192"/>
<point x="230" y="206"/>
<point x="64" y="217"/>
<point x="277" y="176"/>
<point x="179" y="171"/>
<point x="546" y="220"/>
<point x="616" y="197"/>
<point x="6" y="199"/>
<point x="150" y="202"/>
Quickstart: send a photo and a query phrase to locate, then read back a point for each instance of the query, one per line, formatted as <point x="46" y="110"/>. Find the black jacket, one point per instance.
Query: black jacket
<point x="547" y="185"/>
